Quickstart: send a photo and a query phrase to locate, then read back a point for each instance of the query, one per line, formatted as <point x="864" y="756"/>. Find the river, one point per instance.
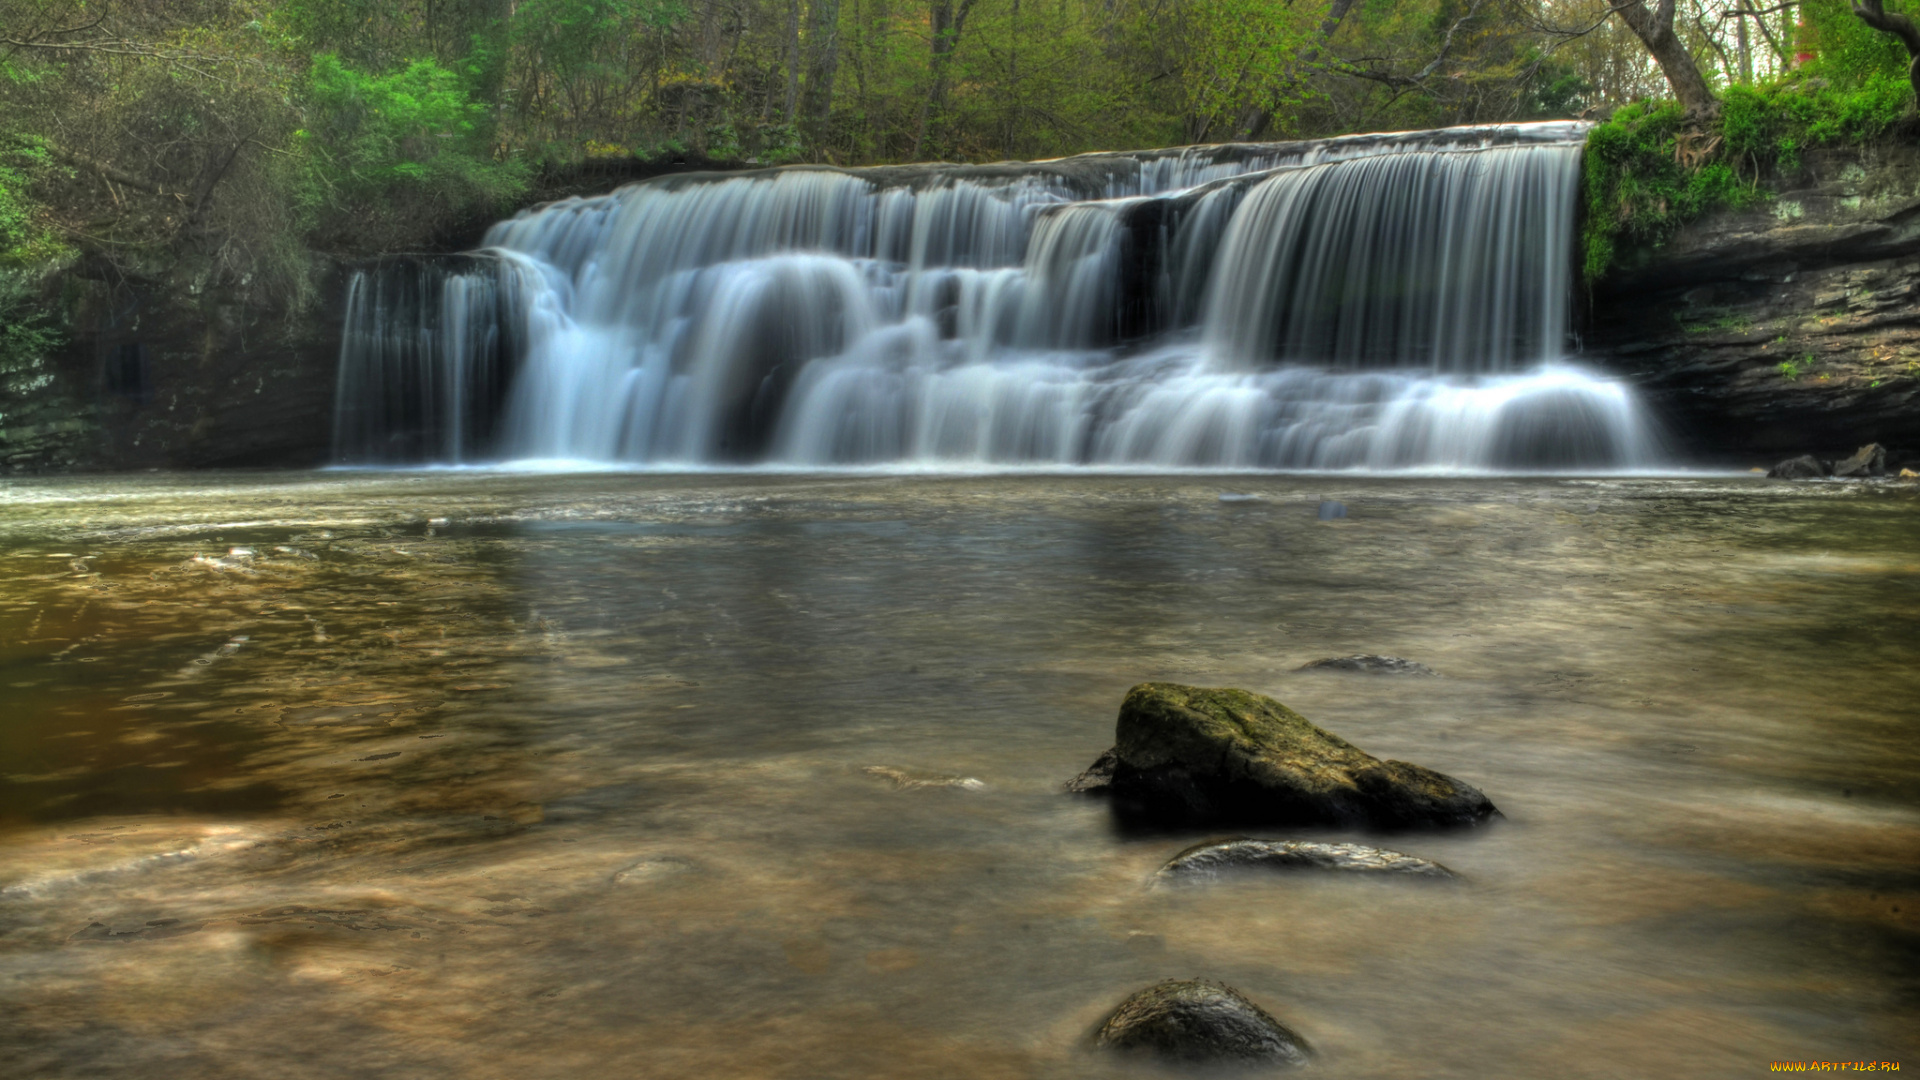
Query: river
<point x="490" y="774"/>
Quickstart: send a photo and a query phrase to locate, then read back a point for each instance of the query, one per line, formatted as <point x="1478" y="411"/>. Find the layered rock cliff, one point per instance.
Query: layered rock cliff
<point x="1783" y="329"/>
<point x="160" y="374"/>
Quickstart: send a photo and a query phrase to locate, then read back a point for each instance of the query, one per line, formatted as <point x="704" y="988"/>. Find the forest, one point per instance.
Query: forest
<point x="235" y="138"/>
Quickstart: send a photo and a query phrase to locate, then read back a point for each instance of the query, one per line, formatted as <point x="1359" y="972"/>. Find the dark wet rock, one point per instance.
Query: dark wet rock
<point x="1330" y="510"/>
<point x="1200" y="1021"/>
<point x="1374" y="665"/>
<point x="356" y="920"/>
<point x="659" y="868"/>
<point x="902" y="780"/>
<point x="1804" y="467"/>
<point x="1191" y="756"/>
<point x="153" y="930"/>
<point x="1218" y="858"/>
<point x="1097" y="777"/>
<point x="1869" y="460"/>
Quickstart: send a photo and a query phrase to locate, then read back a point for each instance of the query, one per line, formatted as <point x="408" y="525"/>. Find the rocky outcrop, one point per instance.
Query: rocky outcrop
<point x="1869" y="460"/>
<point x="175" y="372"/>
<point x="1220" y="858"/>
<point x="1787" y="328"/>
<point x="1804" y="467"/>
<point x="1199" y="1021"/>
<point x="1370" y="664"/>
<point x="1191" y="756"/>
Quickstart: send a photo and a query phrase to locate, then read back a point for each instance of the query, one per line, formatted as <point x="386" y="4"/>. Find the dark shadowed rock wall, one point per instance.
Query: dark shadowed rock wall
<point x="159" y="375"/>
<point x="1788" y="328"/>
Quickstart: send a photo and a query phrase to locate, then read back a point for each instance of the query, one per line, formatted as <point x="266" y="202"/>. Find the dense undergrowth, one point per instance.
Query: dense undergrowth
<point x="1649" y="170"/>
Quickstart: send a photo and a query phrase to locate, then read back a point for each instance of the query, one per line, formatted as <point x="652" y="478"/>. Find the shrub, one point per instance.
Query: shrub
<point x="1647" y="172"/>
<point x="391" y="157"/>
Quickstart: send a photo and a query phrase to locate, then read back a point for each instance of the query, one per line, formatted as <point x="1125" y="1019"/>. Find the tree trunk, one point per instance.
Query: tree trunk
<point x="1746" y="48"/>
<point x="1013" y="83"/>
<point x="823" y="61"/>
<point x="1654" y="28"/>
<point x="1875" y="14"/>
<point x="793" y="59"/>
<point x="947" y="22"/>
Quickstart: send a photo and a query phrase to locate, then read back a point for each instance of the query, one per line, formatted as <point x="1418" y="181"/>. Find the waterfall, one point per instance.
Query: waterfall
<point x="1382" y="302"/>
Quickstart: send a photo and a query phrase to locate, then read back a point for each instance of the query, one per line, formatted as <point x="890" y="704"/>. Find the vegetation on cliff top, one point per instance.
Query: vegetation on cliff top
<point x="1651" y="168"/>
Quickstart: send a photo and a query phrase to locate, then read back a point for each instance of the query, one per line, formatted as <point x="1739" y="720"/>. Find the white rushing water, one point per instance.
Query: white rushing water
<point x="1378" y="302"/>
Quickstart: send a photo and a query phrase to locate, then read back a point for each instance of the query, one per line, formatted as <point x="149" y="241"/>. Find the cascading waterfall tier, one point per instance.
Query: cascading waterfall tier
<point x="1387" y="302"/>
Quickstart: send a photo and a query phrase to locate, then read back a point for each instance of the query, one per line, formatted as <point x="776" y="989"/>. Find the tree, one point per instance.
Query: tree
<point x="1654" y="28"/>
<point x="1875" y="14"/>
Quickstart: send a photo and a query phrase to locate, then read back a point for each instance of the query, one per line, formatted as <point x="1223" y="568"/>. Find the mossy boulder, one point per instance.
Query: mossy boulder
<point x="1200" y="1021"/>
<point x="1191" y="756"/>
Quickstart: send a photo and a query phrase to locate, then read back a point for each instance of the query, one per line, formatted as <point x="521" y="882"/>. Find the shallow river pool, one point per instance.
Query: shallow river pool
<point x="524" y="776"/>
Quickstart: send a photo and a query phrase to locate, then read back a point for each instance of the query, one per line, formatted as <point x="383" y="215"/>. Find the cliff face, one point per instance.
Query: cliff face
<point x="164" y="373"/>
<point x="1789" y="328"/>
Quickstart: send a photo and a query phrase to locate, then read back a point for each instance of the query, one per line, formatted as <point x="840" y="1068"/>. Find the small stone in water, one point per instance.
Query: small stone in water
<point x="1370" y="663"/>
<point x="1237" y="496"/>
<point x="1208" y="861"/>
<point x="653" y="870"/>
<point x="1199" y="1020"/>
<point x="906" y="781"/>
<point x="1329" y="510"/>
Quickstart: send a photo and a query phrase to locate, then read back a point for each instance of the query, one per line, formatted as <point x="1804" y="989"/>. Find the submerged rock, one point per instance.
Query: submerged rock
<point x="1376" y="665"/>
<point x="1200" y="1021"/>
<point x="906" y="781"/>
<point x="1804" y="467"/>
<point x="1869" y="460"/>
<point x="1331" y="510"/>
<point x="1216" y="858"/>
<point x="1188" y="755"/>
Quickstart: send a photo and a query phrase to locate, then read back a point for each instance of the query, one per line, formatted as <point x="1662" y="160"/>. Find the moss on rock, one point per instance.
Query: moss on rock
<point x="1189" y="755"/>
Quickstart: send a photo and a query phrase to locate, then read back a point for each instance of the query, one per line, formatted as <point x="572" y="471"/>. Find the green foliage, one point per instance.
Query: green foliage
<point x="1557" y="90"/>
<point x="411" y="136"/>
<point x="1804" y="364"/>
<point x="780" y="144"/>
<point x="27" y="250"/>
<point x="1773" y="124"/>
<point x="1647" y="173"/>
<point x="1846" y="50"/>
<point x="1641" y="188"/>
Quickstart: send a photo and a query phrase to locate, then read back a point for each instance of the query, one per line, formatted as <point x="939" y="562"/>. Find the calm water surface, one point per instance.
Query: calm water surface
<point x="558" y="776"/>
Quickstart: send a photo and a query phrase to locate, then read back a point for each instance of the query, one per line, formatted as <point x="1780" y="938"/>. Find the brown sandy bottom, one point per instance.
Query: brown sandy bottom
<point x="548" y="776"/>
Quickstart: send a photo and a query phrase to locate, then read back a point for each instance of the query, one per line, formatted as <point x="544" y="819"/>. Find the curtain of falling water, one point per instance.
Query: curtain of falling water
<point x="1206" y="307"/>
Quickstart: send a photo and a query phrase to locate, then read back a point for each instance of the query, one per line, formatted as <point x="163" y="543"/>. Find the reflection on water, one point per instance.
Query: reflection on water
<point x="509" y="776"/>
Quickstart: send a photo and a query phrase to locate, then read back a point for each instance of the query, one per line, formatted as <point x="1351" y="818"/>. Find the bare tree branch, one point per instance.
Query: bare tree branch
<point x="109" y="172"/>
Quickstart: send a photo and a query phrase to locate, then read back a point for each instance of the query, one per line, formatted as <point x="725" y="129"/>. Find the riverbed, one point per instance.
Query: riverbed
<point x="477" y="774"/>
